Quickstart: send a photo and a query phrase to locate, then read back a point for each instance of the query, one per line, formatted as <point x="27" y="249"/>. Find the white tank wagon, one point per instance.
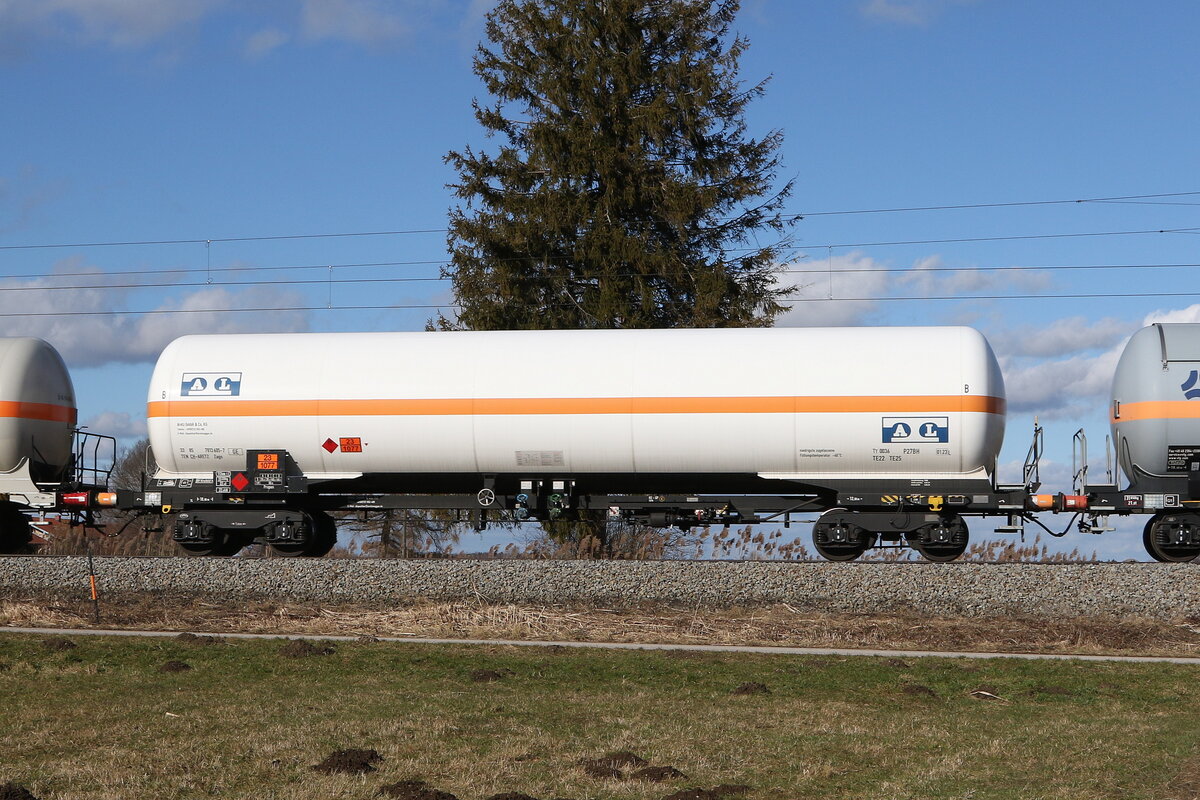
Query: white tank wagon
<point x="1155" y="418"/>
<point x="37" y="423"/>
<point x="542" y="424"/>
<point x="695" y="402"/>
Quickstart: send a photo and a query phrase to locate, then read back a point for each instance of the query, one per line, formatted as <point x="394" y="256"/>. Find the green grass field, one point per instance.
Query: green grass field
<point x="102" y="720"/>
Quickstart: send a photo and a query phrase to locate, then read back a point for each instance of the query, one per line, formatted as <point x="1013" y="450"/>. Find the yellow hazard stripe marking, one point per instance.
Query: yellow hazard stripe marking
<point x="934" y="404"/>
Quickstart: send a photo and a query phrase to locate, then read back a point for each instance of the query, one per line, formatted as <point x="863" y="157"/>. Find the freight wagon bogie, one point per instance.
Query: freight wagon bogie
<point x="1173" y="537"/>
<point x="841" y="535"/>
<point x="214" y="532"/>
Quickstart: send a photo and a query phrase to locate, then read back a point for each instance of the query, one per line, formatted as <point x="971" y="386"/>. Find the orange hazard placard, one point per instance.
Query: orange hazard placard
<point x="350" y="444"/>
<point x="268" y="460"/>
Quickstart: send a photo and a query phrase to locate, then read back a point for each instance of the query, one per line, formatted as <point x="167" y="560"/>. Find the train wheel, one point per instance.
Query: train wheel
<point x="1172" y="539"/>
<point x="322" y="536"/>
<point x="841" y="541"/>
<point x="199" y="538"/>
<point x="940" y="541"/>
<point x="15" y="533"/>
<point x="219" y="546"/>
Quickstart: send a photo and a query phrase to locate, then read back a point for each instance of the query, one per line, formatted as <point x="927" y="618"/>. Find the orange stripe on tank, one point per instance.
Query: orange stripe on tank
<point x="1157" y="409"/>
<point x="931" y="404"/>
<point x="46" y="412"/>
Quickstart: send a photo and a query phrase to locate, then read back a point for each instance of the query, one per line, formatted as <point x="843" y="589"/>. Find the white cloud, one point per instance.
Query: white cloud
<point x="1063" y="337"/>
<point x="820" y="284"/>
<point x="264" y="42"/>
<point x="1061" y="388"/>
<point x="128" y="24"/>
<point x="117" y="23"/>
<point x="908" y="12"/>
<point x="117" y="423"/>
<point x="1189" y="314"/>
<point x="92" y="327"/>
<point x="1048" y="372"/>
<point x="844" y="289"/>
<point x="930" y="278"/>
<point x="359" y="21"/>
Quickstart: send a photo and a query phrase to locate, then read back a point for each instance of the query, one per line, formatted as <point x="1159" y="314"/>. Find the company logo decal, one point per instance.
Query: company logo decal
<point x="916" y="430"/>
<point x="211" y="384"/>
<point x="1190" y="390"/>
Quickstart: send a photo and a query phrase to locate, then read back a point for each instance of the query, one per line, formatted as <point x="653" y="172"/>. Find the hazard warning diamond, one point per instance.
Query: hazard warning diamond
<point x="330" y="445"/>
<point x="239" y="481"/>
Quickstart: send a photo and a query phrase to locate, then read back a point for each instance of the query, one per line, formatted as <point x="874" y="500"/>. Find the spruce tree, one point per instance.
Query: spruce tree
<point x="626" y="192"/>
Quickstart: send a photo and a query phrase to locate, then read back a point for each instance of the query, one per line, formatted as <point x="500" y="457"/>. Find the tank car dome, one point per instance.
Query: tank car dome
<point x="37" y="408"/>
<point x="1155" y="410"/>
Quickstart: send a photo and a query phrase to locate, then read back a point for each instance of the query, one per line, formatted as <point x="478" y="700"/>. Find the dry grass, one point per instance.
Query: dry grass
<point x="102" y="722"/>
<point x="779" y="625"/>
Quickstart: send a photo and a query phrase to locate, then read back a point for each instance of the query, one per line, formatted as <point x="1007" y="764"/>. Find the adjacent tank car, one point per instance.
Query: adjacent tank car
<point x="1155" y="418"/>
<point x="37" y="423"/>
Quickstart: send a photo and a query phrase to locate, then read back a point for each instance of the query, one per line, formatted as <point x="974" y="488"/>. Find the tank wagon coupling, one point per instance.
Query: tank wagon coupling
<point x="1058" y="503"/>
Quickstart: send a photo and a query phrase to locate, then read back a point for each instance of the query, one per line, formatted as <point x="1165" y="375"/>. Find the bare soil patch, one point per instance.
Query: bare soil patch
<point x="715" y="793"/>
<point x="917" y="690"/>
<point x="657" y="774"/>
<point x="13" y="791"/>
<point x="602" y="771"/>
<point x="489" y="675"/>
<point x="191" y="638"/>
<point x="618" y="759"/>
<point x="353" y="760"/>
<point x="175" y="666"/>
<point x="414" y="790"/>
<point x="694" y="794"/>
<point x="609" y="766"/>
<point x="301" y="648"/>
<point x="57" y="644"/>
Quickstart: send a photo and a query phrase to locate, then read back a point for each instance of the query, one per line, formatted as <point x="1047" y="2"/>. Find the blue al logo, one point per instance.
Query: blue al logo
<point x="211" y="384"/>
<point x="916" y="430"/>
<point x="1190" y="390"/>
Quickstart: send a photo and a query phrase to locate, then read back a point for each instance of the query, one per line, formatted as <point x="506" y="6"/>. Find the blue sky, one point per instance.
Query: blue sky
<point x="211" y="120"/>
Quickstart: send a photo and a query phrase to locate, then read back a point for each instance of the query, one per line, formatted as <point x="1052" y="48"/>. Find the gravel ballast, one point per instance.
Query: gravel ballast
<point x="962" y="589"/>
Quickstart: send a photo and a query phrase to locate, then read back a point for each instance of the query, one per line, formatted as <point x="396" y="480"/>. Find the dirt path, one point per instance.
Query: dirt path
<point x="701" y="648"/>
<point x="772" y="627"/>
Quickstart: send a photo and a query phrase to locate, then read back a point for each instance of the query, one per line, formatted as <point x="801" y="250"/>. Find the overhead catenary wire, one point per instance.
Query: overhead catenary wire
<point x="826" y="246"/>
<point x="1018" y="237"/>
<point x="419" y="306"/>
<point x="329" y="281"/>
<point x="1133" y="199"/>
